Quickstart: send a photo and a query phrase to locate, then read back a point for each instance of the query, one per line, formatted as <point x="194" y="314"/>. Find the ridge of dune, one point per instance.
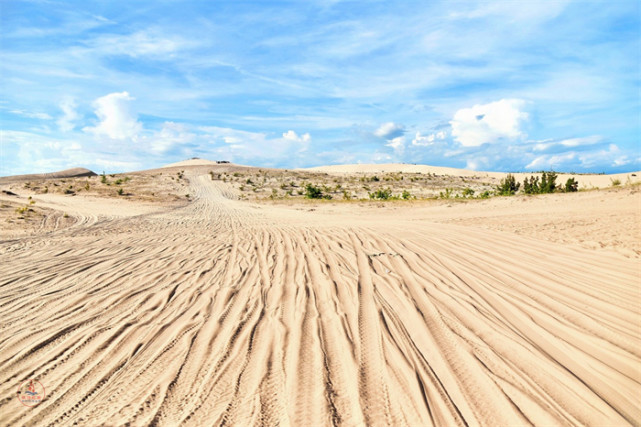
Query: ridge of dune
<point x="221" y="312"/>
<point x="585" y="180"/>
<point x="201" y="162"/>
<point x="67" y="173"/>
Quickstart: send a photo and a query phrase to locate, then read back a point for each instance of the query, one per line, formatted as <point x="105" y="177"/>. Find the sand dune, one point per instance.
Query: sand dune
<point x="225" y="313"/>
<point x="585" y="180"/>
<point x="67" y="173"/>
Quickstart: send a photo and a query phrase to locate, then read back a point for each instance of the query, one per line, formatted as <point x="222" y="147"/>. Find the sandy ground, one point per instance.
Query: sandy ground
<point x="498" y="312"/>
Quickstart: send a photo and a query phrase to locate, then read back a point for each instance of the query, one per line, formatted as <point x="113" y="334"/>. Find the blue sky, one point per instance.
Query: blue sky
<point x="505" y="85"/>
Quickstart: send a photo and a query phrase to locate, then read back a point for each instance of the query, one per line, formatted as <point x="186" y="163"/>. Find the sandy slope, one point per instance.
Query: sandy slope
<point x="226" y="313"/>
<point x="67" y="173"/>
<point x="585" y="180"/>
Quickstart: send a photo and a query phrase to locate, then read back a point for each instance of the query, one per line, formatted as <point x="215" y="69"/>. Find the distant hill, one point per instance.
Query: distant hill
<point x="67" y="173"/>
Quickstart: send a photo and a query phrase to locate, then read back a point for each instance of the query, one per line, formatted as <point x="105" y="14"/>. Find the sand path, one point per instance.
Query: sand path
<point x="220" y="313"/>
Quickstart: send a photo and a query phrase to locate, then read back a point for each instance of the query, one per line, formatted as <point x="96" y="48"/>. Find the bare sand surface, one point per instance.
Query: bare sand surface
<point x="497" y="312"/>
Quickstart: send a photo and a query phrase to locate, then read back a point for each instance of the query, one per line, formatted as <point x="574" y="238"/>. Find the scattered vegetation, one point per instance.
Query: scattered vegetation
<point x="615" y="182"/>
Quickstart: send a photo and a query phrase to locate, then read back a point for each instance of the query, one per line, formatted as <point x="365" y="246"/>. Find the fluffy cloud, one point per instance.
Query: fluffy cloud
<point x="69" y="115"/>
<point x="171" y="135"/>
<point x="550" y="162"/>
<point x="610" y="156"/>
<point x="398" y="144"/>
<point x="116" y="119"/>
<point x="390" y="130"/>
<point x="290" y="135"/>
<point x="489" y="123"/>
<point x="477" y="163"/>
<point x="426" y="140"/>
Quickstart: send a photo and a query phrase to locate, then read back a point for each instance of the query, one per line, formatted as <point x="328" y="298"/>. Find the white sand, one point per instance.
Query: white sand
<point x="223" y="312"/>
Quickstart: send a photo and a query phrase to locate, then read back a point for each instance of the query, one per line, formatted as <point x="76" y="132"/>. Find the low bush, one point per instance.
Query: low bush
<point x="571" y="185"/>
<point x="313" y="192"/>
<point x="548" y="182"/>
<point x="383" y="194"/>
<point x="508" y="186"/>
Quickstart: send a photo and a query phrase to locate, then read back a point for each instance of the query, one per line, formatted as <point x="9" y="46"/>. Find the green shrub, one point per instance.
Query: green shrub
<point x="571" y="185"/>
<point x="531" y="186"/>
<point x="406" y="195"/>
<point x="508" y="186"/>
<point x="468" y="192"/>
<point x="548" y="182"/>
<point x="383" y="194"/>
<point x="615" y="182"/>
<point x="103" y="178"/>
<point x="312" y="192"/>
<point x="120" y="192"/>
<point x="447" y="194"/>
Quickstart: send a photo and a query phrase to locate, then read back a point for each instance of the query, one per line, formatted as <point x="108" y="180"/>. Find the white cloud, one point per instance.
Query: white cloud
<point x="233" y="137"/>
<point x="290" y="135"/>
<point x="390" y="130"/>
<point x="69" y="116"/>
<point x="571" y="142"/>
<point x="171" y="135"/>
<point x="32" y="115"/>
<point x="116" y="119"/>
<point x="424" y="141"/>
<point x="139" y="44"/>
<point x="489" y="123"/>
<point x="477" y="163"/>
<point x="398" y="144"/>
<point x="550" y="162"/>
